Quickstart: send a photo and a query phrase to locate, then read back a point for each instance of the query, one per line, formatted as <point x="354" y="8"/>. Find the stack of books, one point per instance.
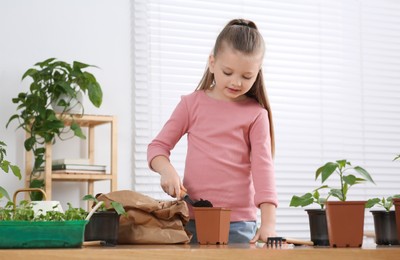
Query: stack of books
<point x="76" y="165"/>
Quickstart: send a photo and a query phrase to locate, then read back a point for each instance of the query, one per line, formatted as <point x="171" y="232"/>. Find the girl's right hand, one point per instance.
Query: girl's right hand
<point x="171" y="183"/>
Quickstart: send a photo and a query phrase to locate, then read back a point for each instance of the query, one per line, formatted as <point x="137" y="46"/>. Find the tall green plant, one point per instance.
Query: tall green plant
<point x="346" y="181"/>
<point x="53" y="82"/>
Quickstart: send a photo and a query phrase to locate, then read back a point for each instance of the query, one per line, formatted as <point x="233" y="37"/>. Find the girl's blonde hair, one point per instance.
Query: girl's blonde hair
<point x="242" y="35"/>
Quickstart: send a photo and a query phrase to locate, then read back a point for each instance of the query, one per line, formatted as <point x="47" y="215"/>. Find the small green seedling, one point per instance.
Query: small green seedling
<point x="118" y="207"/>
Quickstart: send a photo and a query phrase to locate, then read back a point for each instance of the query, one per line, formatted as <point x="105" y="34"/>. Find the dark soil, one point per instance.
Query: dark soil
<point x="203" y="203"/>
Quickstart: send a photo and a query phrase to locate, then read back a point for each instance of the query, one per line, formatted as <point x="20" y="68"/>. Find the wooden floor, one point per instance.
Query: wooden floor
<point x="188" y="252"/>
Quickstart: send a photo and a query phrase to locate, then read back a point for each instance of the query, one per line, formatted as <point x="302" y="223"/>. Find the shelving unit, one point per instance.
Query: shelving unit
<point x="90" y="122"/>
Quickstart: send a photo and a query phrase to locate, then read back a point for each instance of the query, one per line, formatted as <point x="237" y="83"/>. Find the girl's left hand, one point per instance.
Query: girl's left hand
<point x="262" y="234"/>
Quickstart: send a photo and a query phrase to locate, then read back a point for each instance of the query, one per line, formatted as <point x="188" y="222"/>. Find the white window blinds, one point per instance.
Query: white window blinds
<point x="332" y="75"/>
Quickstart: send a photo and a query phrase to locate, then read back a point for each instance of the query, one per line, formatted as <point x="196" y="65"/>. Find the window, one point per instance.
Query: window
<point x="331" y="70"/>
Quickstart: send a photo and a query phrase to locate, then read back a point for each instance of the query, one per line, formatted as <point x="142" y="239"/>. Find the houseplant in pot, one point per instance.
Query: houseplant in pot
<point x="345" y="218"/>
<point x="384" y="220"/>
<point x="316" y="217"/>
<point x="104" y="224"/>
<point x="54" y="83"/>
<point x="20" y="227"/>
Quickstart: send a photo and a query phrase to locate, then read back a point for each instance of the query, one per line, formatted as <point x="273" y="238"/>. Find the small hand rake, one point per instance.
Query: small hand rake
<point x="277" y="242"/>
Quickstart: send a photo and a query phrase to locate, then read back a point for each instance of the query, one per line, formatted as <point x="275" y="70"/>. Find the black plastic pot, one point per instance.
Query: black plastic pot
<point x="103" y="226"/>
<point x="318" y="227"/>
<point x="385" y="227"/>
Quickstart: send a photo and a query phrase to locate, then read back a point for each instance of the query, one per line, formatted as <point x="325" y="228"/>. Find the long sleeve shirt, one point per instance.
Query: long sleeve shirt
<point x="228" y="159"/>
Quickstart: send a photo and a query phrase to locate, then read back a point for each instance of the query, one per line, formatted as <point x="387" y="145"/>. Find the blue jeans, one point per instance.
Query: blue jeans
<point x="239" y="232"/>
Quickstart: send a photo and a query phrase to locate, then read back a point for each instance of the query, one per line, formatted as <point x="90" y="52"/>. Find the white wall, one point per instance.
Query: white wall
<point x="91" y="31"/>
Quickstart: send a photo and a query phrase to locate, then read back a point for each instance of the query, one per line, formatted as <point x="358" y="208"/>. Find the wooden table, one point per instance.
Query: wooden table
<point x="188" y="252"/>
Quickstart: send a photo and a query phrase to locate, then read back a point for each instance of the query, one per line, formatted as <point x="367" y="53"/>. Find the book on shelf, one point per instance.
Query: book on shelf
<point x="85" y="161"/>
<point x="79" y="167"/>
<point x="76" y="168"/>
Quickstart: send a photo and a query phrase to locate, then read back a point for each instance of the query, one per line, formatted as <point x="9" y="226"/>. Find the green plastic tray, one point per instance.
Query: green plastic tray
<point x="42" y="234"/>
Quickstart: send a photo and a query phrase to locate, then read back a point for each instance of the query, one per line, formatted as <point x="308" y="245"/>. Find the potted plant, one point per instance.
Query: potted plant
<point x="53" y="83"/>
<point x="345" y="218"/>
<point x="6" y="166"/>
<point x="384" y="220"/>
<point x="20" y="227"/>
<point x="104" y="223"/>
<point x="212" y="225"/>
<point x="316" y="217"/>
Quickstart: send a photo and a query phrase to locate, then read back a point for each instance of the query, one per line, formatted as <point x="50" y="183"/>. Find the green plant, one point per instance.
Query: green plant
<point x="386" y="203"/>
<point x="24" y="212"/>
<point x="6" y="166"/>
<point x="310" y="198"/>
<point x="345" y="181"/>
<point x="53" y="82"/>
<point x="118" y="207"/>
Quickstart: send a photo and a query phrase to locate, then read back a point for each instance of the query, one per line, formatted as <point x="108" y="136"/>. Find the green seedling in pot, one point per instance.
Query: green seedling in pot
<point x="346" y="181"/>
<point x="386" y="203"/>
<point x="118" y="207"/>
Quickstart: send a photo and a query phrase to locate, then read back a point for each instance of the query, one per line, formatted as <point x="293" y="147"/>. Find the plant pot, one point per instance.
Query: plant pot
<point x="345" y="221"/>
<point x="75" y="104"/>
<point x="103" y="225"/>
<point x="396" y="203"/>
<point x="385" y="227"/>
<point x="212" y="225"/>
<point x="318" y="227"/>
<point x="42" y="234"/>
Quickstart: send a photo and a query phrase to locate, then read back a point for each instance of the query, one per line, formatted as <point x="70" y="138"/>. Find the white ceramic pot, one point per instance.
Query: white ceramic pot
<point x="76" y="105"/>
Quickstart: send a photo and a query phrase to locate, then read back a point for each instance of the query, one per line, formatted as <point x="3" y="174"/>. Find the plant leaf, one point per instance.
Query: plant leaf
<point x="326" y="171"/>
<point x="4" y="165"/>
<point x="342" y="163"/>
<point x="29" y="72"/>
<point x="364" y="173"/>
<point x="95" y="94"/>
<point x="337" y="193"/>
<point x="302" y="201"/>
<point x="16" y="171"/>
<point x="118" y="208"/>
<point x="4" y="193"/>
<point x="79" y="65"/>
<point x="372" y="202"/>
<point x="90" y="197"/>
<point x="350" y="179"/>
<point x="77" y="130"/>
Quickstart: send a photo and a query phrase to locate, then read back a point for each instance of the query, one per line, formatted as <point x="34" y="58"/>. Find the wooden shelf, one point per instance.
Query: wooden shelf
<point x="90" y="122"/>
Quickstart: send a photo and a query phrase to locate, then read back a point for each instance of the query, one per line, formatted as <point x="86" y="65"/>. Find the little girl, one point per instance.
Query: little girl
<point x="229" y="128"/>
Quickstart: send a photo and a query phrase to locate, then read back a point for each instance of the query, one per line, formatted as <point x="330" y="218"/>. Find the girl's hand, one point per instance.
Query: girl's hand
<point x="267" y="228"/>
<point x="170" y="181"/>
<point x="262" y="234"/>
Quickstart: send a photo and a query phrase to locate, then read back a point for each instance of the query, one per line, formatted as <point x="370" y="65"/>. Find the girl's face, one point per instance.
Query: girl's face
<point x="234" y="73"/>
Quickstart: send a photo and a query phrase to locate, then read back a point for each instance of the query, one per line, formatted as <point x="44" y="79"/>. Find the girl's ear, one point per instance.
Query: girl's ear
<point x="211" y="63"/>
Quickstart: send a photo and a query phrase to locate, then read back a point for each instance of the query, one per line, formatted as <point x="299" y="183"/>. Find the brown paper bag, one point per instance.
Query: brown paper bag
<point x="149" y="221"/>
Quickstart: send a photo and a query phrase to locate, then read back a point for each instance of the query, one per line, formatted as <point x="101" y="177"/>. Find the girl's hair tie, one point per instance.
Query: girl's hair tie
<point x="244" y="23"/>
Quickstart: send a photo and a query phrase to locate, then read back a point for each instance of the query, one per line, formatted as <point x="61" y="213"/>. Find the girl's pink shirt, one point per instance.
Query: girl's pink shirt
<point x="228" y="159"/>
